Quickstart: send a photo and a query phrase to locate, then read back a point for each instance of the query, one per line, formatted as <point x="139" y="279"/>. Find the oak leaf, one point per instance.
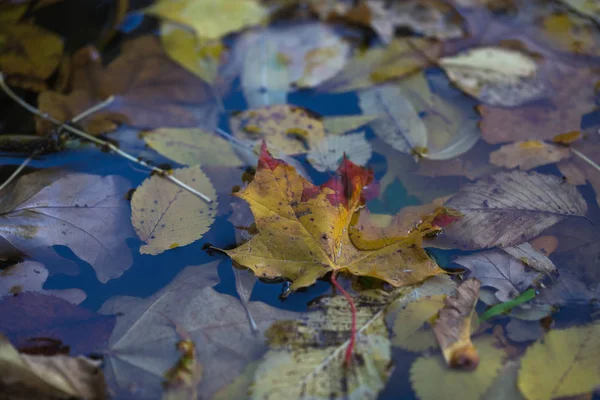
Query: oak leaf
<point x="303" y="230"/>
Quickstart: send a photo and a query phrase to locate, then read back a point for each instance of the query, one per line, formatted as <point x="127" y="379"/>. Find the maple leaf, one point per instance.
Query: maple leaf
<point x="303" y="229"/>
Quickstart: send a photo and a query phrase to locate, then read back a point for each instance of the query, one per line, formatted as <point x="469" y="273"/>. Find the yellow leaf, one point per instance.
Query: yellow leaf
<point x="432" y="379"/>
<point x="564" y="363"/>
<point x="338" y="125"/>
<point x="412" y="327"/>
<point x="210" y="19"/>
<point x="303" y="230"/>
<point x="570" y="33"/>
<point x="589" y="8"/>
<point x="163" y="213"/>
<point x="192" y="147"/>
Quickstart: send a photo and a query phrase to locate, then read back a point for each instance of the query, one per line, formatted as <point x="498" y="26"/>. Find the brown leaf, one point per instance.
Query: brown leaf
<point x="452" y="328"/>
<point x="528" y="154"/>
<point x="150" y="90"/>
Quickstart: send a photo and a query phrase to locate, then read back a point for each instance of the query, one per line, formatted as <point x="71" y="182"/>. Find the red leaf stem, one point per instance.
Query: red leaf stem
<point x="350" y="347"/>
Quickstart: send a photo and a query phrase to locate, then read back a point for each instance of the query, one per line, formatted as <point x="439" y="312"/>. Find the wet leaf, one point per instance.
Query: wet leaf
<point x="337" y="125"/>
<point x="496" y="76"/>
<point x="327" y="154"/>
<point x="452" y="383"/>
<point x="54" y="377"/>
<point x="430" y="18"/>
<point x="288" y="129"/>
<point x="149" y="89"/>
<point x="306" y="357"/>
<point x="183" y="377"/>
<point x="376" y="65"/>
<point x="531" y="257"/>
<point x="210" y="19"/>
<point x="505" y="385"/>
<point x="510" y="208"/>
<point x="584" y="165"/>
<point x="412" y="326"/>
<point x="505" y="307"/>
<point x="166" y="216"/>
<point x="564" y="363"/>
<point x="568" y="33"/>
<point x="528" y="155"/>
<point x="588" y="8"/>
<point x="303" y="230"/>
<point x="83" y="212"/>
<point x="30" y="276"/>
<point x="498" y="269"/>
<point x="142" y="346"/>
<point x="192" y="147"/>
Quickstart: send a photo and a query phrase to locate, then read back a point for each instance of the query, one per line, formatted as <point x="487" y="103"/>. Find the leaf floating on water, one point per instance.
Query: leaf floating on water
<point x="59" y="377"/>
<point x="564" y="363"/>
<point x="81" y="211"/>
<point x="301" y="364"/>
<point x="430" y="18"/>
<point x="495" y="75"/>
<point x="432" y="379"/>
<point x="166" y="216"/>
<point x="531" y="257"/>
<point x="412" y="325"/>
<point x="327" y="154"/>
<point x="340" y="124"/>
<point x="510" y="208"/>
<point x="192" y="147"/>
<point x="528" y="155"/>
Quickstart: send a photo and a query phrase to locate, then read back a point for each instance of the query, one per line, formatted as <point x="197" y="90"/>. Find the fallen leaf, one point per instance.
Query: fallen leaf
<point x="30" y="316"/>
<point x="327" y="154"/>
<point x="510" y="208"/>
<point x="501" y="271"/>
<point x="57" y="377"/>
<point x="412" y="326"/>
<point x="286" y="128"/>
<point x="81" y="211"/>
<point x="452" y="383"/>
<point x="166" y="216"/>
<point x="430" y="18"/>
<point x="528" y="155"/>
<point x="30" y="276"/>
<point x="564" y="363"/>
<point x="337" y="125"/>
<point x="400" y="58"/>
<point x="149" y="89"/>
<point x="210" y="19"/>
<point x="531" y="257"/>
<point x="504" y="386"/>
<point x="567" y="32"/>
<point x="182" y="378"/>
<point x="588" y="8"/>
<point x="497" y="76"/>
<point x="303" y="230"/>
<point x="142" y="346"/>
<point x="192" y="147"/>
<point x="584" y="165"/>
<point x="306" y="357"/>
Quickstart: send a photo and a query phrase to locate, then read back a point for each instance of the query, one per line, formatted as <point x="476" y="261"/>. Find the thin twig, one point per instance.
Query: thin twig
<point x="16" y="173"/>
<point x="100" y="142"/>
<point x="586" y="159"/>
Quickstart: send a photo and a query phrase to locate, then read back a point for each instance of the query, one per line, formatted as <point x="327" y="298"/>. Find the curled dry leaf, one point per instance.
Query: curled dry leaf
<point x="510" y="208"/>
<point x="165" y="216"/>
<point x="149" y="89"/>
<point x="327" y="154"/>
<point x="528" y="154"/>
<point x="452" y="328"/>
<point x="25" y="377"/>
<point x="83" y="212"/>
<point x="303" y="230"/>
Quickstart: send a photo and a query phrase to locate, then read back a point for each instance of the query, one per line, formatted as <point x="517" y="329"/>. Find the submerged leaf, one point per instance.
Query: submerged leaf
<point x="412" y="325"/>
<point x="528" y="154"/>
<point x="531" y="257"/>
<point x="337" y="125"/>
<point x="564" y="363"/>
<point x="166" y="216"/>
<point x="327" y="154"/>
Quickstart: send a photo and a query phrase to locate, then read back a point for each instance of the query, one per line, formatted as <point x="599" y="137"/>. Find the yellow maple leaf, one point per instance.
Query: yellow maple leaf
<point x="303" y="230"/>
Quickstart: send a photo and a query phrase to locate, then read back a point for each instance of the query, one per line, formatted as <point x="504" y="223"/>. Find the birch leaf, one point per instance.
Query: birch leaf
<point x="192" y="147"/>
<point x="564" y="363"/>
<point x="528" y="154"/>
<point x="166" y="216"/>
<point x="452" y="383"/>
<point x="510" y="208"/>
<point x="496" y="76"/>
<point x="327" y="154"/>
<point x="337" y="125"/>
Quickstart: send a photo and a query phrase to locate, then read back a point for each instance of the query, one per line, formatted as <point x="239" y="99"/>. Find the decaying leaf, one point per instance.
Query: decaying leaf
<point x="142" y="346"/>
<point x="567" y="32"/>
<point x="149" y="89"/>
<point x="182" y="379"/>
<point x="306" y="357"/>
<point x="166" y="216"/>
<point x="432" y="379"/>
<point x="452" y="327"/>
<point x="400" y="58"/>
<point x="25" y="377"/>
<point x="303" y="230"/>
<point x="501" y="271"/>
<point x="210" y="19"/>
<point x="531" y="257"/>
<point x="337" y="125"/>
<point x="528" y="154"/>
<point x="564" y="363"/>
<point x="84" y="212"/>
<point x="327" y="154"/>
<point x="288" y="129"/>
<point x="30" y="276"/>
<point x="192" y="147"/>
<point x="510" y="208"/>
<point x="496" y="76"/>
